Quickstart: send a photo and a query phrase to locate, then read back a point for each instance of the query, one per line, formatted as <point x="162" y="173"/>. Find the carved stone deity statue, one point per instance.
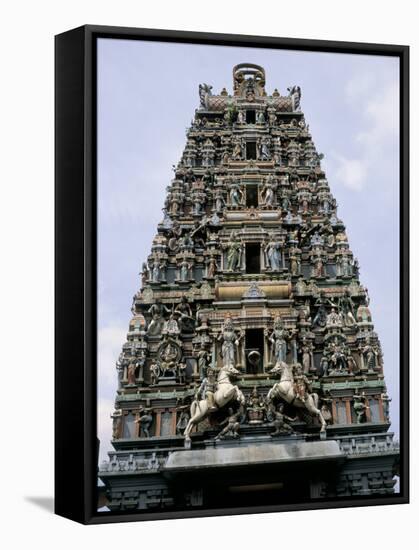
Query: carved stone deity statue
<point x="145" y="420"/>
<point x="268" y="192"/>
<point x="241" y="119"/>
<point x="157" y="312"/>
<point x="184" y="270"/>
<point x="212" y="267"/>
<point x="306" y="356"/>
<point x="236" y="195"/>
<point x="346" y="306"/>
<point x="370" y="354"/>
<point x="360" y="408"/>
<point x="230" y="343"/>
<point x="263" y="149"/>
<point x="219" y="201"/>
<point x="237" y="150"/>
<point x="273" y="254"/>
<point x="295" y="261"/>
<point x="278" y="339"/>
<point x="234" y="253"/>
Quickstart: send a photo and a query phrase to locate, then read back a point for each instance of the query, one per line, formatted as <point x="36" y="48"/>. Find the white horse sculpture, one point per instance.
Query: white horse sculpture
<point x="225" y="392"/>
<point x="285" y="390"/>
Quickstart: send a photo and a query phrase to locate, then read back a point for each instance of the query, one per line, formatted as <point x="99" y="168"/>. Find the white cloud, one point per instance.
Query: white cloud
<point x="377" y="138"/>
<point x="382" y="116"/>
<point x="352" y="173"/>
<point x="357" y="88"/>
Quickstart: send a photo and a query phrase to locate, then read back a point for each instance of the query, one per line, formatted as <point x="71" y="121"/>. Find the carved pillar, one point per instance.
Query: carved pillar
<point x="334" y="412"/>
<point x="174" y="420"/>
<point x="381" y="409"/>
<point x="348" y="411"/>
<point x="158" y="421"/>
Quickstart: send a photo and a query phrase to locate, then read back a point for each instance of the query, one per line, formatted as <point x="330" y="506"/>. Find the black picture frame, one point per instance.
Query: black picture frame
<point x="76" y="450"/>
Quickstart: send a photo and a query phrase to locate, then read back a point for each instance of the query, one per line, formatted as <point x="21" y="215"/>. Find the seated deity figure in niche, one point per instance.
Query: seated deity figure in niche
<point x="273" y="254"/>
<point x="234" y="253"/>
<point x="278" y="339"/>
<point x="157" y="312"/>
<point x="230" y="343"/>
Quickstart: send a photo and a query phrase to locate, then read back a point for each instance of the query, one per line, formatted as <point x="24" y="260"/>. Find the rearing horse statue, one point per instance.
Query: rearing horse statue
<point x="225" y="392"/>
<point x="285" y="390"/>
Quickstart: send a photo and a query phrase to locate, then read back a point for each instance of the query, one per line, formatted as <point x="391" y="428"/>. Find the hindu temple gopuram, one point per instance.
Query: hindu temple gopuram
<point x="251" y="373"/>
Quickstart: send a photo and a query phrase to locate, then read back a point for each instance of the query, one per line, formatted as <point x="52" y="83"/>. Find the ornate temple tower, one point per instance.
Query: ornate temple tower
<point x="251" y="373"/>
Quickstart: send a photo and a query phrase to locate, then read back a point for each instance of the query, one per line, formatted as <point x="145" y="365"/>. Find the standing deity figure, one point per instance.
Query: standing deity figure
<point x="145" y="420"/>
<point x="285" y="200"/>
<point x="184" y="270"/>
<point x="230" y="343"/>
<point x="337" y="358"/>
<point x="263" y="148"/>
<point x="360" y="408"/>
<point x="346" y="306"/>
<point x="212" y="267"/>
<point x="234" y="253"/>
<point x="198" y="202"/>
<point x="241" y="119"/>
<point x="295" y="262"/>
<point x="203" y="358"/>
<point x="145" y="273"/>
<point x="154" y="373"/>
<point x="324" y="364"/>
<point x="132" y="367"/>
<point x="155" y="271"/>
<point x="237" y="150"/>
<point x="268" y="192"/>
<point x="260" y="118"/>
<point x="370" y="355"/>
<point x="306" y="356"/>
<point x="236" y="195"/>
<point x="207" y="389"/>
<point x="219" y="201"/>
<point x="295" y="95"/>
<point x="278" y="339"/>
<point x="318" y="265"/>
<point x="273" y="254"/>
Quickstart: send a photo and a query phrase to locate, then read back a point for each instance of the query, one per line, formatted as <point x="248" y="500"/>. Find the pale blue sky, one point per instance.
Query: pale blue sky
<point x="147" y="94"/>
